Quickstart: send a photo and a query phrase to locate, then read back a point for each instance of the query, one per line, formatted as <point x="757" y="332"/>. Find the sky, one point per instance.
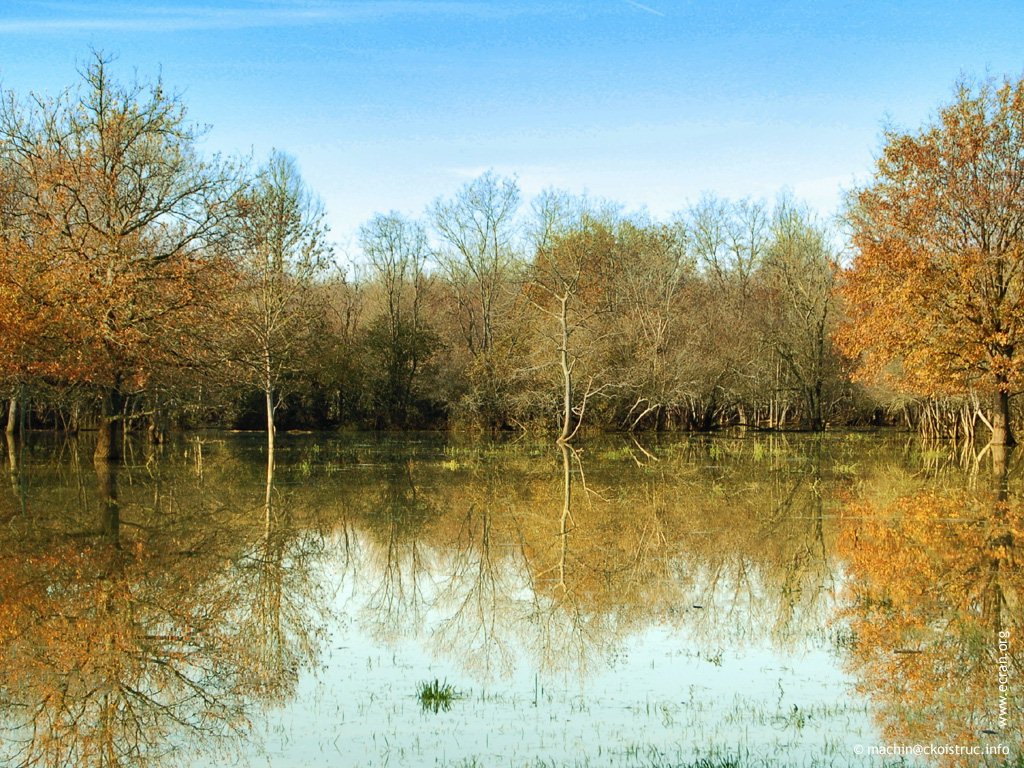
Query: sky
<point x="388" y="105"/>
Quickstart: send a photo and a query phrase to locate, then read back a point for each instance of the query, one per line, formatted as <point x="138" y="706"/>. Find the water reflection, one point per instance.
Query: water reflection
<point x="933" y="605"/>
<point x="143" y="618"/>
<point x="172" y="602"/>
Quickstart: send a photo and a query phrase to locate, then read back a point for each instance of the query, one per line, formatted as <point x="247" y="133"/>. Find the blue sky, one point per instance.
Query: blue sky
<point x="387" y="105"/>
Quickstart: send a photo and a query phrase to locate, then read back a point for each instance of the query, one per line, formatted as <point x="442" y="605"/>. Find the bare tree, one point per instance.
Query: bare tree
<point x="397" y="250"/>
<point x="726" y="241"/>
<point x="478" y="259"/>
<point x="799" y="275"/>
<point x="281" y="241"/>
<point x="651" y="302"/>
<point x="568" y="284"/>
<point x="477" y="227"/>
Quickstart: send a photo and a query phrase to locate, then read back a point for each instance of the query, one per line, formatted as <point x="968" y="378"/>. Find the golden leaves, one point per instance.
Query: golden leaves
<point x="933" y="579"/>
<point x="109" y="235"/>
<point x="938" y="279"/>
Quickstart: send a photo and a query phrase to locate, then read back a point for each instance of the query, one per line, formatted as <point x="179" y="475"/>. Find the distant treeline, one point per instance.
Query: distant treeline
<point x="146" y="286"/>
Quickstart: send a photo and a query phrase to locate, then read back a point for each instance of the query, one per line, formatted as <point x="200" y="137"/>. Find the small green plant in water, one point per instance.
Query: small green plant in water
<point x="760" y="452"/>
<point x="795" y="719"/>
<point x="436" y="696"/>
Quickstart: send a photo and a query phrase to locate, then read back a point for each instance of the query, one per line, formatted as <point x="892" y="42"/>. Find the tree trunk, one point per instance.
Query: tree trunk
<point x="73" y="418"/>
<point x="12" y="415"/>
<point x="566" y="374"/>
<point x="661" y="423"/>
<point x="999" y="542"/>
<point x="1000" y="471"/>
<point x="815" y="412"/>
<point x="269" y="392"/>
<point x="155" y="429"/>
<point x="1002" y="431"/>
<point x="108" y="435"/>
<point x="12" y="453"/>
<point x="106" y="476"/>
<point x="566" y="513"/>
<point x="269" y="496"/>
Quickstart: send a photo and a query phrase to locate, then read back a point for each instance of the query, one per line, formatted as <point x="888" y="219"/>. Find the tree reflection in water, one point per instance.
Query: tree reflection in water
<point x="528" y="553"/>
<point x="167" y="603"/>
<point x="136" y="624"/>
<point x="935" y="580"/>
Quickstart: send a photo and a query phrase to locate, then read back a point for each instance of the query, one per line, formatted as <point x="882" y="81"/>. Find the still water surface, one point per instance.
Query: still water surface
<point x="760" y="599"/>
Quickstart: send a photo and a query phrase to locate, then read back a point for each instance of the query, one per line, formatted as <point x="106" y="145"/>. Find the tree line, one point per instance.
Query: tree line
<point x="145" y="285"/>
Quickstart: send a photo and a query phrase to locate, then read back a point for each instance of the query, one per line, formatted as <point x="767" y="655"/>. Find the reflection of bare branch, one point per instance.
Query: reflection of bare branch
<point x="148" y="631"/>
<point x="275" y="620"/>
<point x="642" y="450"/>
<point x="481" y="592"/>
<point x="566" y="634"/>
<point x="502" y="559"/>
<point x="403" y="579"/>
<point x="399" y="599"/>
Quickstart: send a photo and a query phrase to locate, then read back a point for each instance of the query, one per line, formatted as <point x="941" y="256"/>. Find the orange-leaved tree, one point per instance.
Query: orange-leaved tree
<point x="109" y="231"/>
<point x="936" y="291"/>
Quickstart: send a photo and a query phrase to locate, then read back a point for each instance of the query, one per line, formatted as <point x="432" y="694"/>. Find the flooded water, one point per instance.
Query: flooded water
<point x="422" y="601"/>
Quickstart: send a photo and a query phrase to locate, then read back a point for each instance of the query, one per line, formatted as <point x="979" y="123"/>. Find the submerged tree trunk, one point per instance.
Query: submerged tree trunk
<point x="270" y="422"/>
<point x="269" y="496"/>
<point x="108" y="436"/>
<point x="12" y="452"/>
<point x="566" y="516"/>
<point x="155" y="430"/>
<point x="815" y="410"/>
<point x="1002" y="431"/>
<point x="1000" y="544"/>
<point x="110" y="524"/>
<point x="1001" y="471"/>
<point x="566" y="366"/>
<point x="12" y="415"/>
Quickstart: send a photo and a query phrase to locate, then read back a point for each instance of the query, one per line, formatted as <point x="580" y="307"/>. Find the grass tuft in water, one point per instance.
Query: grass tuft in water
<point x="436" y="696"/>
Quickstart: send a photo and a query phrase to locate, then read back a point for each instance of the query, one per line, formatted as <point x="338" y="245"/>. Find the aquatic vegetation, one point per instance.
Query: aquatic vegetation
<point x="436" y="696"/>
<point x="681" y="613"/>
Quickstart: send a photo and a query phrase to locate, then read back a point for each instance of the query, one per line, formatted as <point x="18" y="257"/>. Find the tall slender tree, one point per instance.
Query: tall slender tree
<point x="478" y="258"/>
<point x="282" y="246"/>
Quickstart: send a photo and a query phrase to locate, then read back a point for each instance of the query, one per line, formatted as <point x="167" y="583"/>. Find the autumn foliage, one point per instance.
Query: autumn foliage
<point x="935" y="581"/>
<point x="109" y="229"/>
<point x="141" y="280"/>
<point x="936" y="289"/>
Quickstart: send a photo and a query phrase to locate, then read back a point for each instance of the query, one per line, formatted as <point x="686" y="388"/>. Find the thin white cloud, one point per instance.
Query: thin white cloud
<point x="645" y="8"/>
<point x="160" y="18"/>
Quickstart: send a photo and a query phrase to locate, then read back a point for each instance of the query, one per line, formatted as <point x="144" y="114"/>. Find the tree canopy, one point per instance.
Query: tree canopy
<point x="935" y="293"/>
<point x="140" y="280"/>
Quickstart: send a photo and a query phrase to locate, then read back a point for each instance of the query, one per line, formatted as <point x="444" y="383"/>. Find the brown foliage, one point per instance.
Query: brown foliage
<point x="934" y="579"/>
<point x="936" y="291"/>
